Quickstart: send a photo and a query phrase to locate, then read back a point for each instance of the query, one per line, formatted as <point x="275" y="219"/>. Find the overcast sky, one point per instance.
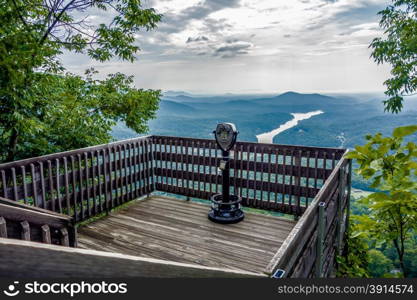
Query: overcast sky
<point x="255" y="46"/>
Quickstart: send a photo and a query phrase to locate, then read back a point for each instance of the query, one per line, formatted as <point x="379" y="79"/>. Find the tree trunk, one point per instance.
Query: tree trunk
<point x="402" y="266"/>
<point x="12" y="145"/>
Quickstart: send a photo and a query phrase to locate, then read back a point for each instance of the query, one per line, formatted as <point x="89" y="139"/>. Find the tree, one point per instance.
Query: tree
<point x="43" y="108"/>
<point x="399" y="49"/>
<point x="355" y="261"/>
<point x="379" y="265"/>
<point x="410" y="257"/>
<point x="391" y="165"/>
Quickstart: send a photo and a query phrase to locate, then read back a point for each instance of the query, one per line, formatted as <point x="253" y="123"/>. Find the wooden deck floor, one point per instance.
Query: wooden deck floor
<point x="178" y="230"/>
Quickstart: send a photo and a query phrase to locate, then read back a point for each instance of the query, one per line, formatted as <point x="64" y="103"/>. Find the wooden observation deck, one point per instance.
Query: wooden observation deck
<point x="139" y="207"/>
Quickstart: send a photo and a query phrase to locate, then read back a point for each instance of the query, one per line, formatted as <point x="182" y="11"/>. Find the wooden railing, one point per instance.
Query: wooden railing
<point x="281" y="178"/>
<point x="81" y="183"/>
<point x="311" y="247"/>
<point x="19" y="221"/>
<point x="308" y="182"/>
<point x="85" y="182"/>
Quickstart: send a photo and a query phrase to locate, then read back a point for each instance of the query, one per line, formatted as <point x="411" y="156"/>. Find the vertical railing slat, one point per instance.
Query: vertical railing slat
<point x="4" y="183"/>
<point x="15" y="195"/>
<point x="34" y="187"/>
<point x="87" y="183"/>
<point x="118" y="169"/>
<point x="67" y="194"/>
<point x="51" y="186"/>
<point x="25" y="192"/>
<point x="81" y="188"/>
<point x="42" y="178"/>
<point x="94" y="182"/>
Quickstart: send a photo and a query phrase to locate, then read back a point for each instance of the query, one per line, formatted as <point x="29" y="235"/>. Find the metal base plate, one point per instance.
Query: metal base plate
<point x="223" y="217"/>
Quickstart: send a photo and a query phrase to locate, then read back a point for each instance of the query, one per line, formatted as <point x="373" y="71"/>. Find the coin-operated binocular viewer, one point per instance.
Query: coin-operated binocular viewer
<point x="225" y="208"/>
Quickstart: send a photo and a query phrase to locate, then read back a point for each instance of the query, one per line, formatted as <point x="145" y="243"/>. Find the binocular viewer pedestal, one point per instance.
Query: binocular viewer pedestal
<point x="225" y="208"/>
<point x="225" y="212"/>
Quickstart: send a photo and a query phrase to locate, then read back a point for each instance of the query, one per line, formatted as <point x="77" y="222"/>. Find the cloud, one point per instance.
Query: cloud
<point x="176" y="22"/>
<point x="232" y="48"/>
<point x="197" y="39"/>
<point x="268" y="43"/>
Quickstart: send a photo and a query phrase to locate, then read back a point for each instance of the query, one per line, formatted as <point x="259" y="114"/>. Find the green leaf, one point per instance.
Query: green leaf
<point x="400" y="132"/>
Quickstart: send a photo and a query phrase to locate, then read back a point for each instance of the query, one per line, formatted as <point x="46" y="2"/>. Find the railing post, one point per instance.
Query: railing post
<point x="349" y="188"/>
<point x="297" y="183"/>
<point x="340" y="209"/>
<point x="320" y="239"/>
<point x="152" y="163"/>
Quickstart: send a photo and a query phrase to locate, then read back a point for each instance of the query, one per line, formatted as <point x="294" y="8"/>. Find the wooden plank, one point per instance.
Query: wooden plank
<point x="3" y="228"/>
<point x="74" y="190"/>
<point x="80" y="193"/>
<point x="25" y="228"/>
<point x="43" y="189"/>
<point x="34" y="217"/>
<point x="118" y="169"/>
<point x="51" y="187"/>
<point x="111" y="177"/>
<point x="15" y="196"/>
<point x="67" y="196"/>
<point x="34" y="188"/>
<point x="308" y="177"/>
<point x="106" y="178"/>
<point x="12" y="203"/>
<point x="163" y="227"/>
<point x="60" y="262"/>
<point x="46" y="234"/>
<point x="100" y="180"/>
<point x="25" y="194"/>
<point x="131" y="172"/>
<point x="4" y="183"/>
<point x="87" y="183"/>
<point x="135" y="171"/>
<point x="125" y="175"/>
<point x="64" y="237"/>
<point x="140" y="169"/>
<point x="293" y="245"/>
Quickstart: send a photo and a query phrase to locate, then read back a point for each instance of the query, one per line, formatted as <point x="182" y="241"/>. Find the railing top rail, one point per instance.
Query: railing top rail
<point x="58" y="155"/>
<point x="18" y="163"/>
<point x="33" y="216"/>
<point x="34" y="209"/>
<point x="285" y="253"/>
<point x="340" y="151"/>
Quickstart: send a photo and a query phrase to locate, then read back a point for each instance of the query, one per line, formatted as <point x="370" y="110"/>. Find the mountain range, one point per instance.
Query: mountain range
<point x="345" y="121"/>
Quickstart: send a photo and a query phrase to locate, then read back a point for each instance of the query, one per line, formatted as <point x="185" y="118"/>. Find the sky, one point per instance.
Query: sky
<point x="253" y="46"/>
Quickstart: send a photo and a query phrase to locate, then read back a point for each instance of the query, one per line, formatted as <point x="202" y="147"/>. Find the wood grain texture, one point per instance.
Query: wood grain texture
<point x="177" y="230"/>
<point x="20" y="221"/>
<point x="62" y="262"/>
<point x="291" y="257"/>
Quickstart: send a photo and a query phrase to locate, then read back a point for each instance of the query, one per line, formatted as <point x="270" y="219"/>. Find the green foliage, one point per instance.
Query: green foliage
<point x="399" y="49"/>
<point x="81" y="111"/>
<point x="354" y="262"/>
<point x="390" y="165"/>
<point x="44" y="109"/>
<point x="379" y="265"/>
<point x="410" y="256"/>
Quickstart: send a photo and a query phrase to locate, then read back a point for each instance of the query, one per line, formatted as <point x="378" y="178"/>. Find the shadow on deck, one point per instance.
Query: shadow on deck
<point x="177" y="230"/>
